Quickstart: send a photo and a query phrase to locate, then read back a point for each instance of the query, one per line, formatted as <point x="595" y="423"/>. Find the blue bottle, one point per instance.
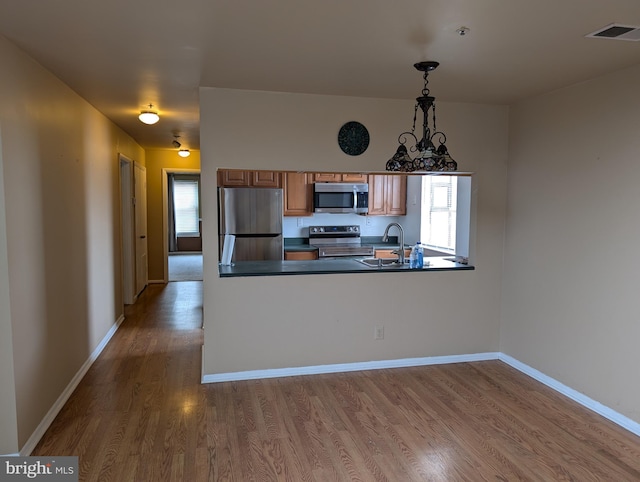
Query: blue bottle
<point x="413" y="258"/>
<point x="419" y="255"/>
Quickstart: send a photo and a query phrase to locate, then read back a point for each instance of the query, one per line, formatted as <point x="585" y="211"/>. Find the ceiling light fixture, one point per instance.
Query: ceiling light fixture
<point x="428" y="157"/>
<point x="176" y="144"/>
<point x="149" y="116"/>
<point x="184" y="153"/>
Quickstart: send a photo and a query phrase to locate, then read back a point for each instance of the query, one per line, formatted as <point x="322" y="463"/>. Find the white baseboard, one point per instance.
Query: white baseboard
<point x="64" y="396"/>
<point x="608" y="413"/>
<point x="346" y="367"/>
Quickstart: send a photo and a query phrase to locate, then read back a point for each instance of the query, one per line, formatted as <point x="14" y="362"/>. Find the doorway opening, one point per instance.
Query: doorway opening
<point x="182" y="222"/>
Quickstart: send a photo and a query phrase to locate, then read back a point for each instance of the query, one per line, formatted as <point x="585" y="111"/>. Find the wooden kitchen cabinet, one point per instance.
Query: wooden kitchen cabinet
<point x="387" y="195"/>
<point x="266" y="179"/>
<point x="300" y="255"/>
<point x="333" y="177"/>
<point x="298" y="194"/>
<point x="241" y="178"/>
<point x="354" y="178"/>
<point x="233" y="178"/>
<point x="327" y="177"/>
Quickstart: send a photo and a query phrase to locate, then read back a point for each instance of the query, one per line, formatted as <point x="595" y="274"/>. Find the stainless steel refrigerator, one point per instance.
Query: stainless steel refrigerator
<point x="254" y="217"/>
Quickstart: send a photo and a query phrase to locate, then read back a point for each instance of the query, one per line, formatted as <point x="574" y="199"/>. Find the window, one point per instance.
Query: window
<point x="439" y="212"/>
<point x="186" y="207"/>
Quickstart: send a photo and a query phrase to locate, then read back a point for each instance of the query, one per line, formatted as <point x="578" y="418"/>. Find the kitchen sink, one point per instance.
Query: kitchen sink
<point x="383" y="263"/>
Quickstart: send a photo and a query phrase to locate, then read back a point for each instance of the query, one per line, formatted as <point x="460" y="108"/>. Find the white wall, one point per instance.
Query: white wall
<point x="60" y="173"/>
<point x="570" y="286"/>
<point x="293" y="321"/>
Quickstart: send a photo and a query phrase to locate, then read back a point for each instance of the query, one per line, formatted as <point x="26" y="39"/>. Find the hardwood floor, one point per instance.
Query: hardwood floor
<point x="141" y="414"/>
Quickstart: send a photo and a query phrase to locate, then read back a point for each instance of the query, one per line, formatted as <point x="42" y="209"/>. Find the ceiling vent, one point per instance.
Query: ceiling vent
<point x="616" y="31"/>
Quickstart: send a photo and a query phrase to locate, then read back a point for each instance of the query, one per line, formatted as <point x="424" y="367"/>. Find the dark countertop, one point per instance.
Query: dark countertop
<point x="302" y="244"/>
<point x="329" y="266"/>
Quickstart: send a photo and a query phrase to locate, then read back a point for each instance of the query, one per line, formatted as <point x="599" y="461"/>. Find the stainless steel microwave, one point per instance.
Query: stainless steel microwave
<point x="340" y="197"/>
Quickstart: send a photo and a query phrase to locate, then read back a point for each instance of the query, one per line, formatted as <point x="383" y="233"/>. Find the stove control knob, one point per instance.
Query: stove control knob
<point x="313" y="230"/>
<point x="321" y="230"/>
<point x="350" y="228"/>
<point x="355" y="228"/>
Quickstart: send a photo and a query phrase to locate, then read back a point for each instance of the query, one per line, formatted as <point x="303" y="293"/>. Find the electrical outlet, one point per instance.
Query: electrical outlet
<point x="368" y="221"/>
<point x="378" y="333"/>
<point x="300" y="222"/>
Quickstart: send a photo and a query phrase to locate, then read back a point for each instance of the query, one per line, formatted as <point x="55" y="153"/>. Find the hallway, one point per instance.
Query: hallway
<point x="141" y="414"/>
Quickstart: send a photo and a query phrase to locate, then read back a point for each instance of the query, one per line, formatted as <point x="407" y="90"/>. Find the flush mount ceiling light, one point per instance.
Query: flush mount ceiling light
<point x="177" y="145"/>
<point x="149" y="116"/>
<point x="427" y="156"/>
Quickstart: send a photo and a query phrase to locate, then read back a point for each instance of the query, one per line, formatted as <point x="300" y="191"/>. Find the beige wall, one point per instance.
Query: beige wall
<point x="571" y="270"/>
<point x="157" y="160"/>
<point x="60" y="169"/>
<point x="8" y="415"/>
<point x="293" y="321"/>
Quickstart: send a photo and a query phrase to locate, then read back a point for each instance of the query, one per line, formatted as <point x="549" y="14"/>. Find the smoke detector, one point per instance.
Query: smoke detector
<point x="615" y="31"/>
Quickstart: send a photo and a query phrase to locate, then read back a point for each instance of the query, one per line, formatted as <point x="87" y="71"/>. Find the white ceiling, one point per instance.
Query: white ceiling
<point x="121" y="54"/>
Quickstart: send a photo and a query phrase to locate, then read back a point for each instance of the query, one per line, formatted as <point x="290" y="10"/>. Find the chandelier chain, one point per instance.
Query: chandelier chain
<point x="425" y="89"/>
<point x="415" y="116"/>
<point x="435" y="128"/>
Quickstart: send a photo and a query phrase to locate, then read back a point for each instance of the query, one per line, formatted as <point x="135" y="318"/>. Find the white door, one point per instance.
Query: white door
<point x="128" y="249"/>
<point x="140" y="209"/>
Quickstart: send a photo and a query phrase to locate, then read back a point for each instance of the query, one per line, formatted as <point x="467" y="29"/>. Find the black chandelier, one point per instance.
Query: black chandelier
<point x="428" y="157"/>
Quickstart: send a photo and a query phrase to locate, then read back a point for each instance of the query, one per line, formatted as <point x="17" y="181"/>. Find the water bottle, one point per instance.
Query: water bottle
<point x="419" y="256"/>
<point x="413" y="258"/>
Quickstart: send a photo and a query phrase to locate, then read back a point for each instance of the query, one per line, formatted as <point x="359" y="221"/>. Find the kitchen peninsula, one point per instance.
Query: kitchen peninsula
<point x="332" y="266"/>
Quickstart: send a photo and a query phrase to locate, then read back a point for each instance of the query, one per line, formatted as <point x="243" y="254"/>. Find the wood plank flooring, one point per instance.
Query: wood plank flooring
<point x="141" y="414"/>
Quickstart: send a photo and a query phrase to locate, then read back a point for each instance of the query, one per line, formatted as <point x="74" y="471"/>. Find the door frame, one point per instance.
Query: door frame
<point x="165" y="212"/>
<point x="127" y="264"/>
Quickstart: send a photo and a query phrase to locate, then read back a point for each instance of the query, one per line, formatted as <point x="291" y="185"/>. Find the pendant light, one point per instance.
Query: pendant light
<point x="428" y="157"/>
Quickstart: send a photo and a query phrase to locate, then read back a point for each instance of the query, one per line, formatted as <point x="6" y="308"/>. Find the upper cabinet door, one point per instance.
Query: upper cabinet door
<point x="266" y="179"/>
<point x="233" y="177"/>
<point x="396" y="195"/>
<point x="354" y="178"/>
<point x="377" y="195"/>
<point x="298" y="194"/>
<point x="326" y="177"/>
<point x="387" y="195"/>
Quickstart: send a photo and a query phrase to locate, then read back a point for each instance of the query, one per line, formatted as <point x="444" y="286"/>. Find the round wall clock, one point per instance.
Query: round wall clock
<point x="353" y="138"/>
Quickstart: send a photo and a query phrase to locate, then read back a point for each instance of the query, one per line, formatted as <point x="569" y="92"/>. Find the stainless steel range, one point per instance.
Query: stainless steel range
<point x="334" y="241"/>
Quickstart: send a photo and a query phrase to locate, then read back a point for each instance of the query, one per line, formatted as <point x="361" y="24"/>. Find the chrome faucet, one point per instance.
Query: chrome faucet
<point x="385" y="238"/>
